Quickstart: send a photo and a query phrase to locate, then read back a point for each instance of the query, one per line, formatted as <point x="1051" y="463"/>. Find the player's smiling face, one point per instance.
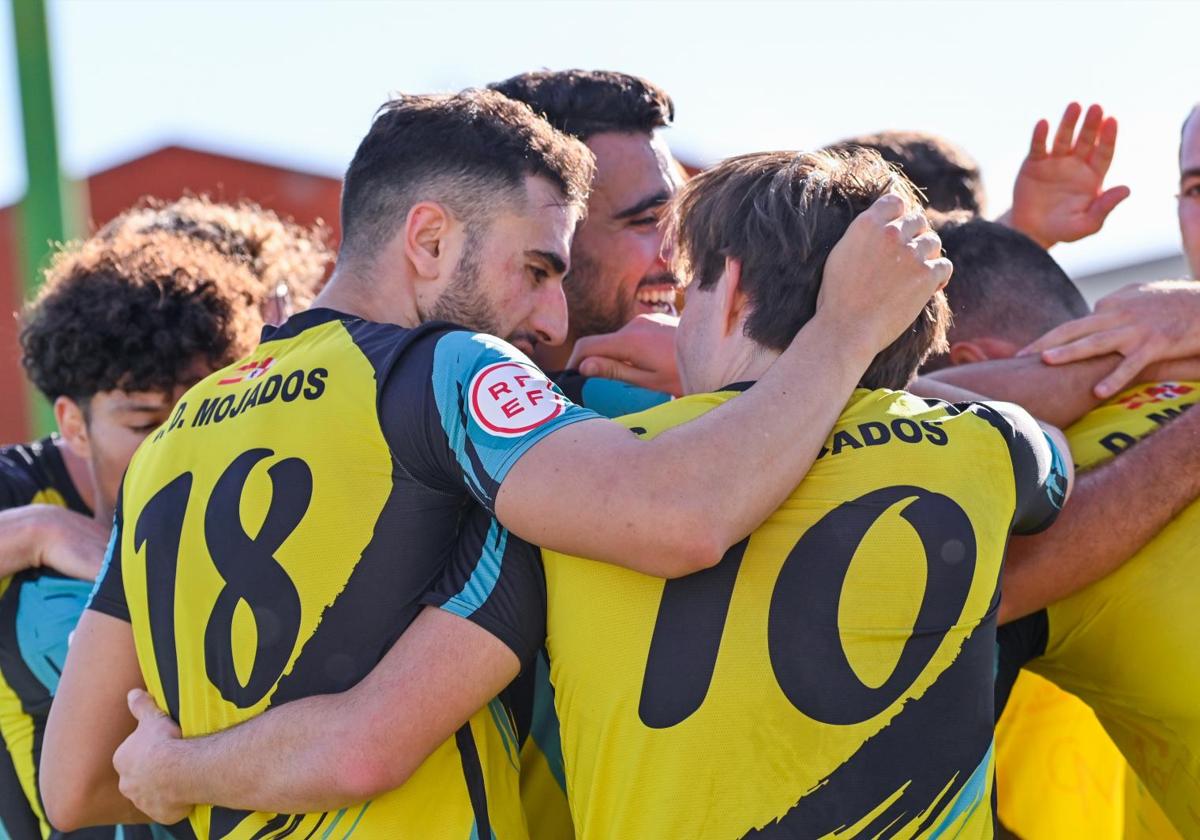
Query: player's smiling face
<point x="618" y="266"/>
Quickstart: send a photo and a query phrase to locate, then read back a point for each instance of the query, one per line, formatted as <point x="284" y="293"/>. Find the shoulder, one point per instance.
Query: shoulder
<point x="659" y="418"/>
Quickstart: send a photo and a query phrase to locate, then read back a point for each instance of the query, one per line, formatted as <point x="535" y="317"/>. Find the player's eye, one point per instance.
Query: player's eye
<point x="1191" y="190"/>
<point x="538" y="274"/>
<point x="144" y="428"/>
<point x="644" y="222"/>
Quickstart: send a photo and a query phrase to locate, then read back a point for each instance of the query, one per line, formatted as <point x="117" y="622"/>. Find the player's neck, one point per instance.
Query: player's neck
<point x="746" y="362"/>
<point x="350" y="292"/>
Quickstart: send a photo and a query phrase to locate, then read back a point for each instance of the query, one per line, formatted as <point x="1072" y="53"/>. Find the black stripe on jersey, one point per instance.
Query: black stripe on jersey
<point x="17" y="819"/>
<point x="484" y="479"/>
<point x="473" y="773"/>
<point x="926" y="753"/>
<point x="1018" y="643"/>
<point x="683" y="634"/>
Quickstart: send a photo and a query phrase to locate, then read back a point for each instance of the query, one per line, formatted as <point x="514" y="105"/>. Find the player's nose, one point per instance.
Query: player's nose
<point x="549" y="319"/>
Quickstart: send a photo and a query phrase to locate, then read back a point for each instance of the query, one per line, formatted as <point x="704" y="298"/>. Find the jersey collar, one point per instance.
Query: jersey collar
<point x="737" y="386"/>
<point x="302" y="321"/>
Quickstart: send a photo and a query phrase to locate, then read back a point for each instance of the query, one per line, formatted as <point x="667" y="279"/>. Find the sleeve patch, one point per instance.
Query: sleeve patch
<point x="510" y="399"/>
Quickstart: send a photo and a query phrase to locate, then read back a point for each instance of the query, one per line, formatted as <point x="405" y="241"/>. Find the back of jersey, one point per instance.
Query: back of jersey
<point x="264" y="557"/>
<point x="833" y="676"/>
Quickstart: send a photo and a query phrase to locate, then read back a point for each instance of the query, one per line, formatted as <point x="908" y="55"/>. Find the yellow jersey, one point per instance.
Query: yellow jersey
<point x="1123" y="644"/>
<point x="833" y="675"/>
<point x="277" y="535"/>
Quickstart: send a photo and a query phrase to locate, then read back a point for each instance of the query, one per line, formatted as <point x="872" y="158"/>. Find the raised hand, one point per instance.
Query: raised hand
<point x="1146" y="323"/>
<point x="1059" y="195"/>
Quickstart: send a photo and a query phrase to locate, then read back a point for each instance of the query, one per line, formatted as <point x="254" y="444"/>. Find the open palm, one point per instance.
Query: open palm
<point x="1059" y="195"/>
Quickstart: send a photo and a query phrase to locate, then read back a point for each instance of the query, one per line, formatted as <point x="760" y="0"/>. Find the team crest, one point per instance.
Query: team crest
<point x="509" y="399"/>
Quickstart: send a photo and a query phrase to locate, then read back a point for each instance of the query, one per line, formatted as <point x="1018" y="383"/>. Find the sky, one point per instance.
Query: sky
<point x="295" y="82"/>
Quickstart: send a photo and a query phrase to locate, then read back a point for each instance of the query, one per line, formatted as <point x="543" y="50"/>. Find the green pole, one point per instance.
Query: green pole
<point x="48" y="212"/>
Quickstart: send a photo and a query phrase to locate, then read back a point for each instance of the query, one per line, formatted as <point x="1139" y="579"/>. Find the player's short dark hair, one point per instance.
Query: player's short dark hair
<point x="134" y="311"/>
<point x="780" y="214"/>
<point x="948" y="178"/>
<point x="470" y="151"/>
<point x="586" y="102"/>
<point x="282" y="254"/>
<point x="1005" y="285"/>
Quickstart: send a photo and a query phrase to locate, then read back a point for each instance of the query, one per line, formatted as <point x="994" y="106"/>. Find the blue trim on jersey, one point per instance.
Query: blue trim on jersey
<point x="613" y="398"/>
<point x="108" y="556"/>
<point x="48" y="609"/>
<point x="479" y="585"/>
<point x="971" y="795"/>
<point x="336" y="819"/>
<point x="457" y="357"/>
<point x="500" y="719"/>
<point x="1056" y="481"/>
<point x="544" y="728"/>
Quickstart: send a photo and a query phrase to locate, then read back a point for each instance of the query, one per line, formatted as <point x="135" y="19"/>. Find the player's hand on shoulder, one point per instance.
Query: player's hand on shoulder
<point x="1145" y="323"/>
<point x="1059" y="193"/>
<point x="882" y="272"/>
<point x="68" y="542"/>
<point x="641" y="353"/>
<point x="141" y="761"/>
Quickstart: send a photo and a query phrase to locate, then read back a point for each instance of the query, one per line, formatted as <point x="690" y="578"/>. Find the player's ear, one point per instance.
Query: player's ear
<point x="72" y="425"/>
<point x="425" y="231"/>
<point x="734" y="303"/>
<point x="967" y="352"/>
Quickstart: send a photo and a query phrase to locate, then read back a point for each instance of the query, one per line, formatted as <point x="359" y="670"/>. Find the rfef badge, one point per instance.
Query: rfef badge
<point x="509" y="399"/>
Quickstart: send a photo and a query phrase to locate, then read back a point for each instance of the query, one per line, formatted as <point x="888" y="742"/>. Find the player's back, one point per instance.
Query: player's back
<point x="833" y="673"/>
<point x="272" y="550"/>
<point x="1126" y="644"/>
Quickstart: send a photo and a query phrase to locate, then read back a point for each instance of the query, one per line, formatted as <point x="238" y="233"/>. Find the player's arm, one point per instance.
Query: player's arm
<point x="1043" y="473"/>
<point x="89" y="717"/>
<point x="595" y="490"/>
<point x="49" y="536"/>
<point x="1116" y="509"/>
<point x="1058" y="395"/>
<point x="327" y="752"/>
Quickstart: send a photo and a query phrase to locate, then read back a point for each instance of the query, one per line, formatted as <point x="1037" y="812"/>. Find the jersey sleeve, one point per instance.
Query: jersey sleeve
<point x="17" y="487"/>
<point x="495" y="580"/>
<point x="1039" y="469"/>
<point x="108" y="595"/>
<point x="459" y="409"/>
<point x="608" y="397"/>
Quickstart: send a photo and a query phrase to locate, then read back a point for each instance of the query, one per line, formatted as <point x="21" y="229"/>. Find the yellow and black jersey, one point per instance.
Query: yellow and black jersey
<point x="280" y="531"/>
<point x="833" y="675"/>
<point x="1125" y="644"/>
<point x="38" y="610"/>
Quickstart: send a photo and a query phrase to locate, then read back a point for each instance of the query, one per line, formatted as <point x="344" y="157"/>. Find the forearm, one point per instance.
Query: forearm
<point x="1059" y="395"/>
<point x="291" y="760"/>
<point x="674" y="504"/>
<point x="330" y="751"/>
<point x="1115" y="510"/>
<point x="17" y="534"/>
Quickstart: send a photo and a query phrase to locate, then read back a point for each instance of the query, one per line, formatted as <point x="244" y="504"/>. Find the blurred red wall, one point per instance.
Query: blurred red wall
<point x="167" y="173"/>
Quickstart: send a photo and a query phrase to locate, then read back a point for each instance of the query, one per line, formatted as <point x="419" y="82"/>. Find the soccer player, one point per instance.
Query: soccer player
<point x="1115" y="643"/>
<point x="120" y="328"/>
<point x="1058" y="196"/>
<point x="280" y="534"/>
<point x="783" y="690"/>
<point x="619" y="268"/>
